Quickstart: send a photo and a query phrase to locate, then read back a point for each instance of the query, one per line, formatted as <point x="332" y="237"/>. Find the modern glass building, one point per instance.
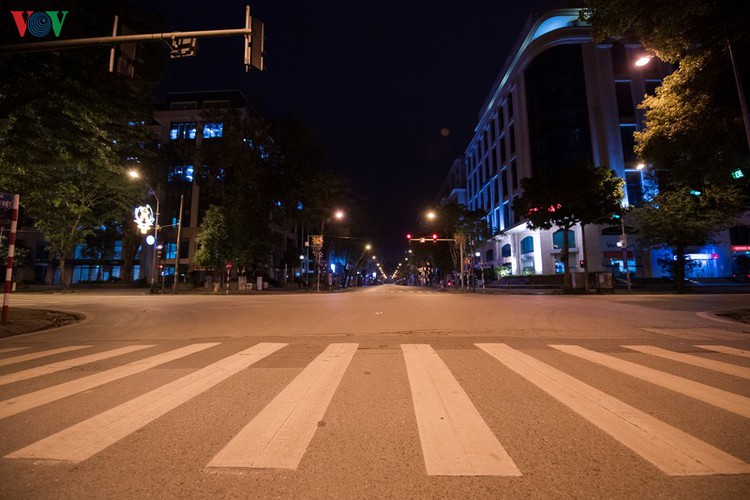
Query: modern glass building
<point x="559" y="100"/>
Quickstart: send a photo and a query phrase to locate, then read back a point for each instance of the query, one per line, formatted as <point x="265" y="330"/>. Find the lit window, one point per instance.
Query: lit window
<point x="182" y="172"/>
<point x="212" y="130"/>
<point x="183" y="130"/>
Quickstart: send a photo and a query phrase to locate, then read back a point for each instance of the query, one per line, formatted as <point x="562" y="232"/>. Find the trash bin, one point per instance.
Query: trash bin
<point x="604" y="282"/>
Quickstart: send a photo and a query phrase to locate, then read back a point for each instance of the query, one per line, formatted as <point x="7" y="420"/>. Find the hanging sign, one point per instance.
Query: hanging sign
<point x="144" y="218"/>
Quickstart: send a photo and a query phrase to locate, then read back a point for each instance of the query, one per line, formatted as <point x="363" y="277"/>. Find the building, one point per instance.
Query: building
<point x="561" y="99"/>
<point x="188" y="121"/>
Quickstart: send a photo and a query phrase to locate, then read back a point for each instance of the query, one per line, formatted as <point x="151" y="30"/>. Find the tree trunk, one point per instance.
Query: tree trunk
<point x="63" y="278"/>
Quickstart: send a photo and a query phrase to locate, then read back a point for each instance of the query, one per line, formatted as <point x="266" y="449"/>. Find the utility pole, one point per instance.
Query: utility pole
<point x="177" y="248"/>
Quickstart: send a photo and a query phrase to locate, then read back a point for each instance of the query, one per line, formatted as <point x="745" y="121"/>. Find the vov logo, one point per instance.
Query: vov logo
<point x="39" y="24"/>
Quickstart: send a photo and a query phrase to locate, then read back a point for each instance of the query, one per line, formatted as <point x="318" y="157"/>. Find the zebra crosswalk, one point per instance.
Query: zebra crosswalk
<point x="454" y="437"/>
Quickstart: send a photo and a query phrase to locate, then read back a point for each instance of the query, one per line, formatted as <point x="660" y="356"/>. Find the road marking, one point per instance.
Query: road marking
<point x="37" y="355"/>
<point x="12" y="349"/>
<point x="455" y="439"/>
<point x="709" y="364"/>
<point x="279" y="435"/>
<point x="87" y="438"/>
<point x="71" y="363"/>
<point x="711" y="395"/>
<point x="726" y="350"/>
<point x="673" y="451"/>
<point x="20" y="404"/>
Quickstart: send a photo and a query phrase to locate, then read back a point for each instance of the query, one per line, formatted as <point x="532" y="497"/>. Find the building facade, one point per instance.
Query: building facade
<point x="562" y="99"/>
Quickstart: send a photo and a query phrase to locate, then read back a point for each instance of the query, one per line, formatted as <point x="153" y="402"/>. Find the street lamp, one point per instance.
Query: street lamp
<point x="367" y="248"/>
<point x="134" y="174"/>
<point x="318" y="242"/>
<point x="431" y="215"/>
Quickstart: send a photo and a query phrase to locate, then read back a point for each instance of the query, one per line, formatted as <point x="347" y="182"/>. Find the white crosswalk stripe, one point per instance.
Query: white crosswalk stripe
<point x="12" y="349"/>
<point x="279" y="435"/>
<point x="64" y="365"/>
<point x="38" y="355"/>
<point x="726" y="350"/>
<point x="711" y="395"/>
<point x="83" y="440"/>
<point x="710" y="364"/>
<point x="454" y="438"/>
<point x="673" y="451"/>
<point x="20" y="404"/>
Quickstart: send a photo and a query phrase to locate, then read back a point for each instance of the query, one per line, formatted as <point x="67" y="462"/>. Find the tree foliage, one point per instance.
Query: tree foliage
<point x="563" y="198"/>
<point x="70" y="125"/>
<point x="694" y="136"/>
<point x="214" y="242"/>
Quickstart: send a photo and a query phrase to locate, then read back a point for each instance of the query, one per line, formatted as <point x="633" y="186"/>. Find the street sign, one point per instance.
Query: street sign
<point x="317" y="241"/>
<point x="183" y="47"/>
<point x="6" y="202"/>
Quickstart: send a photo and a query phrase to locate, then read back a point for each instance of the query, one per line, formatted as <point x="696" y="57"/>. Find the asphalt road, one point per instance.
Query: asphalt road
<point x="382" y="392"/>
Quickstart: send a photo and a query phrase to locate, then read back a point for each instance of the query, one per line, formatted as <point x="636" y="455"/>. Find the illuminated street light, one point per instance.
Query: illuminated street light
<point x="640" y="166"/>
<point x="644" y="60"/>
<point x="134" y="174"/>
<point x="431" y="215"/>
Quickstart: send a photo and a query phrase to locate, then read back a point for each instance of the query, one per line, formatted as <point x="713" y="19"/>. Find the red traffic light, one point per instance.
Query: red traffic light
<point x="434" y="236"/>
<point x="408" y="236"/>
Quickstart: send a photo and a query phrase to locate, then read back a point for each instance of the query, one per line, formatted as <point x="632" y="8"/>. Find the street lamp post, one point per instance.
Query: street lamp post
<point x="136" y="175"/>
<point x="338" y="215"/>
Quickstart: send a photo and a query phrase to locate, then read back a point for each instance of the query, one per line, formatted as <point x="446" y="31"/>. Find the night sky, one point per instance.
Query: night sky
<point x="376" y="81"/>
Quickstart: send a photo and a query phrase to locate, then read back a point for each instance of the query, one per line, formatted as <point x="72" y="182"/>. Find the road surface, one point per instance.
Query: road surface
<point x="380" y="392"/>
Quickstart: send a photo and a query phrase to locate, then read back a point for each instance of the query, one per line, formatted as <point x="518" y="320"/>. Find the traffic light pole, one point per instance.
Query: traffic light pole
<point x="108" y="40"/>
<point x="254" y="44"/>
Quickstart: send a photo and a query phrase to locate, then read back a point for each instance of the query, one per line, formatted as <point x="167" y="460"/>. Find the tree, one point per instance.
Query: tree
<point x="694" y="135"/>
<point x="214" y="241"/>
<point x="678" y="219"/>
<point x="564" y="197"/>
<point x="70" y="126"/>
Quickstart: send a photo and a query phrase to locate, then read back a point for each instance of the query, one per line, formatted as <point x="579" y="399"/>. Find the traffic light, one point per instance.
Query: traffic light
<point x="434" y="237"/>
<point x="583" y="264"/>
<point x="408" y="236"/>
<point x="254" y="46"/>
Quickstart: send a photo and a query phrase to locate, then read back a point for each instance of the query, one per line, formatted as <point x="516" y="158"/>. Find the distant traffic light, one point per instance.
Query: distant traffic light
<point x="434" y="237"/>
<point x="408" y="236"/>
